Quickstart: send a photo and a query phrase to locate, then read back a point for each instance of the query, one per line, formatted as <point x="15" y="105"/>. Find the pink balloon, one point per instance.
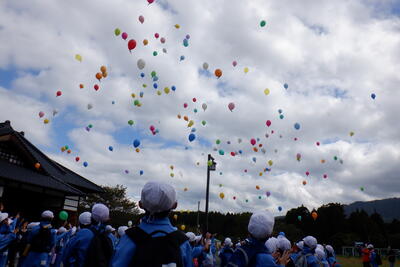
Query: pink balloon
<point x="152" y="128"/>
<point x="234" y="63"/>
<point x="231" y="106"/>
<point x="185" y="105"/>
<point x="41" y="114"/>
<point x="307" y="173"/>
<point x="253" y="141"/>
<point x="156" y="35"/>
<point x="162" y="40"/>
<point x="325" y="176"/>
<point x="141" y="19"/>
<point x="124" y="35"/>
<point x="268" y="123"/>
<point x="317" y="143"/>
<point x="150" y="1"/>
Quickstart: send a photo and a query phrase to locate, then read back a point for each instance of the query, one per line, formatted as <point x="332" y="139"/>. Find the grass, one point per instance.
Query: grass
<point x="356" y="262"/>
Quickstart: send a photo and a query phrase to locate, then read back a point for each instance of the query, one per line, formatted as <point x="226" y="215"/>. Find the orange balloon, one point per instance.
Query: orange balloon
<point x="105" y="74"/>
<point x="81" y="86"/>
<point x="257" y="187"/>
<point x="137" y="150"/>
<point x="145" y="42"/>
<point x="218" y="73"/>
<point x="37" y="166"/>
<point x="185" y="118"/>
<point x="255" y="149"/>
<point x="179" y="116"/>
<point x="304" y="182"/>
<point x="314" y="215"/>
<point x="69" y="151"/>
<point x="103" y="69"/>
<point x="322" y="161"/>
<point x="99" y="76"/>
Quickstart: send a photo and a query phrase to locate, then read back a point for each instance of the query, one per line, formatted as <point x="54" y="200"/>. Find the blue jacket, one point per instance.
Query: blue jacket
<point x="35" y="259"/>
<point x="196" y="251"/>
<point x="126" y="247"/>
<point x="114" y="239"/>
<point x="311" y="259"/>
<point x="225" y="254"/>
<point x="74" y="253"/>
<point x="372" y="259"/>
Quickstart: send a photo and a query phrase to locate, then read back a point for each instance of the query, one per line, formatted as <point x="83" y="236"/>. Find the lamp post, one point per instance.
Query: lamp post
<point x="211" y="166"/>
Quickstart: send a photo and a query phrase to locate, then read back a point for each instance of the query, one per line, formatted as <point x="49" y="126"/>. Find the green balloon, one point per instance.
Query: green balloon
<point x="144" y="85"/>
<point x="153" y="73"/>
<point x="63" y="215"/>
<point x="66" y="147"/>
<point x="218" y="142"/>
<point x="204" y="123"/>
<point x="117" y="32"/>
<point x="90" y="126"/>
<point x="136" y="102"/>
<point x="247" y="200"/>
<point x="221" y="152"/>
<point x="335" y="158"/>
<point x="263" y="23"/>
<point x="259" y="197"/>
<point x="130" y="122"/>
<point x="195" y="110"/>
<point x="155" y="53"/>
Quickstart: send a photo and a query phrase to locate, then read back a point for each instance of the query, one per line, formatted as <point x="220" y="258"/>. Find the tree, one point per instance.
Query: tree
<point x="121" y="207"/>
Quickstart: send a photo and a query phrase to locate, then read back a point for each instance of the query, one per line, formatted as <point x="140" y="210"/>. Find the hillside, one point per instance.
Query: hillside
<point x="388" y="208"/>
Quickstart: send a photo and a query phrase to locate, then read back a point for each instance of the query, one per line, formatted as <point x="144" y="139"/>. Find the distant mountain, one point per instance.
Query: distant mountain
<point x="388" y="208"/>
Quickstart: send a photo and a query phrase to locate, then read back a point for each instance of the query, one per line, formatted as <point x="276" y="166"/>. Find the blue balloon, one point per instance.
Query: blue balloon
<point x="155" y="78"/>
<point x="254" y="159"/>
<point x="280" y="208"/>
<point x="221" y="152"/>
<point x="136" y="143"/>
<point x="142" y="74"/>
<point x="182" y="58"/>
<point x="228" y="142"/>
<point x="141" y="94"/>
<point x="195" y="110"/>
<point x="240" y="151"/>
<point x="155" y="85"/>
<point x="192" y="136"/>
<point x="85" y="164"/>
<point x="220" y="173"/>
<point x="297" y="126"/>
<point x="110" y="148"/>
<point x="286" y="86"/>
<point x="258" y="139"/>
<point x="141" y="172"/>
<point x="173" y="88"/>
<point x="280" y="111"/>
<point x="373" y="96"/>
<point x="185" y="42"/>
<point x="113" y="102"/>
<point x="193" y="130"/>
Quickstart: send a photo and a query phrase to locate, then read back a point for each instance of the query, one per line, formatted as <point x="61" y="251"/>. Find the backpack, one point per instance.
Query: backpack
<point x="301" y="260"/>
<point x="100" y="250"/>
<point x="378" y="259"/>
<point x="43" y="240"/>
<point x="167" y="248"/>
<point x="245" y="255"/>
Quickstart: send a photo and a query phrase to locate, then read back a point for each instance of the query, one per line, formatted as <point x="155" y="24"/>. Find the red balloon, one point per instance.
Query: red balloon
<point x="77" y="159"/>
<point x="59" y="93"/>
<point x="131" y="44"/>
<point x="232" y="154"/>
<point x="156" y="35"/>
<point x="317" y="143"/>
<point x="141" y="19"/>
<point x="253" y="141"/>
<point x="234" y="198"/>
<point x="307" y="173"/>
<point x="325" y="176"/>
<point x="295" y="139"/>
<point x="185" y="105"/>
<point x="150" y="1"/>
<point x="152" y="128"/>
<point x="96" y="87"/>
<point x="268" y="123"/>
<point x="272" y="132"/>
<point x="245" y="170"/>
<point x="194" y="99"/>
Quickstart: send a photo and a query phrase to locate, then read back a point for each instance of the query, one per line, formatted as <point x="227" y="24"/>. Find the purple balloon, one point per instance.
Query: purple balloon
<point x="126" y="171"/>
<point x="268" y="193"/>
<point x="187" y="36"/>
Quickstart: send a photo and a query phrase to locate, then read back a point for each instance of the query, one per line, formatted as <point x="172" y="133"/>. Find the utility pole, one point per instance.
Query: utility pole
<point x="198" y="215"/>
<point x="211" y="166"/>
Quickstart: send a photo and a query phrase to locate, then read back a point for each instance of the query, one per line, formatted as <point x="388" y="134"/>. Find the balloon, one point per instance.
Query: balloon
<point x="85" y="164"/>
<point x="187" y="36"/>
<point x="172" y="175"/>
<point x="205" y="65"/>
<point x="257" y="187"/>
<point x="164" y="50"/>
<point x="145" y="42"/>
<point x="234" y="198"/>
<point x="78" y="57"/>
<point x="204" y="106"/>
<point x="317" y="143"/>
<point x="307" y="173"/>
<point x="183" y="227"/>
<point x="130" y="223"/>
<point x="203" y="122"/>
<point x="218" y="73"/>
<point x="192" y="137"/>
<point x="253" y="141"/>
<point x="136" y="143"/>
<point x="254" y="159"/>
<point x="373" y="96"/>
<point x="325" y="176"/>
<point x="362" y="188"/>
<point x="185" y="42"/>
<point x="297" y="126"/>
<point x="41" y="114"/>
<point x="286" y="86"/>
<point x="46" y="121"/>
<point x="263" y="23"/>
<point x="268" y="193"/>
<point x="173" y="88"/>
<point x="268" y="123"/>
<point x="103" y="69"/>
<point x="266" y="91"/>
<point x="59" y="93"/>
<point x="221" y="152"/>
<point x="233" y="154"/>
<point x="110" y="148"/>
<point x="155" y="85"/>
<point x="194" y="99"/>
<point x="137" y="150"/>
<point x="270" y="162"/>
<point x="335" y="158"/>
<point x="299" y="218"/>
<point x="280" y="208"/>
<point x="155" y="53"/>
<point x="231" y="106"/>
<point x="322" y="161"/>
<point x="281" y="116"/>
<point x="124" y="35"/>
<point x="246" y="70"/>
<point x="63" y="215"/>
<point x="141" y="19"/>
<point x="177" y="26"/>
<point x="351" y="133"/>
<point x="234" y="63"/>
<point x="182" y="58"/>
<point x="190" y="124"/>
<point x="131" y="45"/>
<point x="304" y="182"/>
<point x="89" y="106"/>
<point x="185" y="118"/>
<point x="126" y="171"/>
<point x="298" y="156"/>
<point x="141" y="172"/>
<point x="141" y="64"/>
<point x="130" y="122"/>
<point x="156" y="35"/>
<point x="96" y="87"/>
<point x="117" y="32"/>
<point x="153" y="73"/>
<point x="221" y="195"/>
<point x="314" y="215"/>
<point x="37" y="165"/>
<point x="162" y="40"/>
<point x="81" y="86"/>
<point x="166" y="90"/>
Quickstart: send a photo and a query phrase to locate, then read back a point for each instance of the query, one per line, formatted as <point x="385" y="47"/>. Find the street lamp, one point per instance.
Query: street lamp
<point x="211" y="166"/>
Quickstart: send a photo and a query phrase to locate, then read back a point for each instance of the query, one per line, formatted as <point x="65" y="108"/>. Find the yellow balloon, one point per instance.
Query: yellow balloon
<point x="175" y="217"/>
<point x="78" y="57"/>
<point x="221" y="195"/>
<point x="133" y="95"/>
<point x="266" y="91"/>
<point x="166" y="90"/>
<point x="190" y="123"/>
<point x="351" y="133"/>
<point x="183" y="227"/>
<point x="177" y="26"/>
<point x="158" y="92"/>
<point x="172" y="175"/>
<point x="46" y="121"/>
<point x="270" y="162"/>
<point x="137" y="150"/>
<point x="246" y="70"/>
<point x="260" y="173"/>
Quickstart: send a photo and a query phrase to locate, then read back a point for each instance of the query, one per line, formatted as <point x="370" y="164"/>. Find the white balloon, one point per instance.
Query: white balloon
<point x="205" y="65"/>
<point x="204" y="106"/>
<point x="55" y="112"/>
<point x="89" y="106"/>
<point x="141" y="64"/>
<point x="164" y="50"/>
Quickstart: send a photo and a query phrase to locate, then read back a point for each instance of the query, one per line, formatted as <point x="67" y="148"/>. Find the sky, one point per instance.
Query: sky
<point x="333" y="55"/>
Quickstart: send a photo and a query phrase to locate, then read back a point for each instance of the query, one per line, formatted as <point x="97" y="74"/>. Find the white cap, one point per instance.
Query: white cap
<point x="370" y="246"/>
<point x="238" y="244"/>
<point x="198" y="238"/>
<point x="47" y="214"/>
<point x="330" y="249"/>
<point x="157" y="197"/>
<point x="61" y="230"/>
<point x="310" y="241"/>
<point x="228" y="242"/>
<point x="85" y="218"/>
<point x="319" y="246"/>
<point x="191" y="236"/>
<point x="261" y="224"/>
<point x="3" y="216"/>
<point x="284" y="243"/>
<point x="320" y="254"/>
<point x="300" y="244"/>
<point x="32" y="224"/>
<point x="122" y="229"/>
<point x="73" y="230"/>
<point x="109" y="228"/>
<point x="100" y="212"/>
<point x="272" y="244"/>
